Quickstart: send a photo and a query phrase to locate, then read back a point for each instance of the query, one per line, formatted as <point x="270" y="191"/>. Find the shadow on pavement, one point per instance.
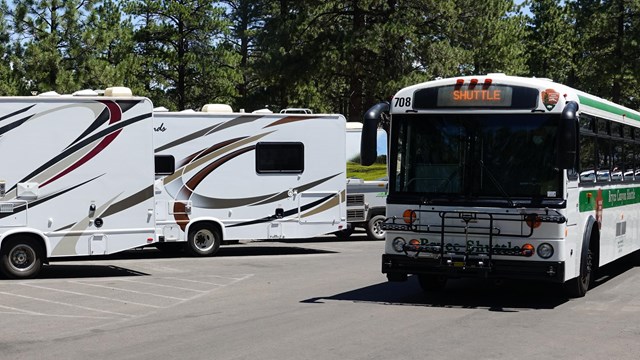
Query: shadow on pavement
<point x="506" y="296"/>
<point x="79" y="271"/>
<point x="238" y="250"/>
<point x="459" y="293"/>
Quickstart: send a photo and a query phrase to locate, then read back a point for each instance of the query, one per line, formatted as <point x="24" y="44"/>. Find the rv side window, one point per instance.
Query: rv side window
<point x="165" y="164"/>
<point x="278" y="157"/>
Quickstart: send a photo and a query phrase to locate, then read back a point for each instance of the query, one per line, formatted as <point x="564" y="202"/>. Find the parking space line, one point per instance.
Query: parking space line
<point x="66" y="304"/>
<point x="93" y="296"/>
<point x="131" y="291"/>
<point x="163" y="285"/>
<point x="190" y="280"/>
<point x="20" y="311"/>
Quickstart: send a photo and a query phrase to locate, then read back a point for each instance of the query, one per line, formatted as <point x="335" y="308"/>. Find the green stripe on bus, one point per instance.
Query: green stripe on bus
<point x="610" y="198"/>
<point x="608" y="107"/>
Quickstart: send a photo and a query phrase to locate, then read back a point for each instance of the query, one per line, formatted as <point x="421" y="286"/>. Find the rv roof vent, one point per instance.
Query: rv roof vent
<point x="188" y="111"/>
<point x="160" y="109"/>
<point x="49" y="94"/>
<point x="85" y="92"/>
<point x="217" y="108"/>
<point x="118" y="91"/>
<point x="262" y="111"/>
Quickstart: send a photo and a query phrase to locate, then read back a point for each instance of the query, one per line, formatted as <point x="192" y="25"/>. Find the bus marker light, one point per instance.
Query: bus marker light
<point x="473" y="83"/>
<point x="533" y="221"/>
<point x="527" y="250"/>
<point x="409" y="216"/>
<point x="487" y="83"/>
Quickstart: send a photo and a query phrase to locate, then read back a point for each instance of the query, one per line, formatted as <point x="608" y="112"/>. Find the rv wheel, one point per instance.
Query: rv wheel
<point x="204" y="240"/>
<point x="21" y="258"/>
<point x="374" y="230"/>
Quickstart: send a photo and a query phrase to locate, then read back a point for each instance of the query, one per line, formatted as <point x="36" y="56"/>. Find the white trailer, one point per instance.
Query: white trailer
<point x="366" y="199"/>
<point x="76" y="177"/>
<point x="224" y="176"/>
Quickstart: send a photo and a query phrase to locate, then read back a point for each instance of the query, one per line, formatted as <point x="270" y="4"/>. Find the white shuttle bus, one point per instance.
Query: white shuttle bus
<point x="224" y="176"/>
<point x="507" y="177"/>
<point x="76" y="177"/>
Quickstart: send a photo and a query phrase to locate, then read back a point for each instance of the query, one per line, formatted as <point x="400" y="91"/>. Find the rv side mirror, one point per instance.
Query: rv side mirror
<point x="369" y="142"/>
<point x="568" y="136"/>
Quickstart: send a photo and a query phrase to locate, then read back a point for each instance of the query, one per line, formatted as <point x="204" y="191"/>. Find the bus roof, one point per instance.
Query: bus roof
<point x="547" y="95"/>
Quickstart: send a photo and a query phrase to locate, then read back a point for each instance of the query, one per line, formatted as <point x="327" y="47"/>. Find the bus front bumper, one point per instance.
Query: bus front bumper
<point x="398" y="266"/>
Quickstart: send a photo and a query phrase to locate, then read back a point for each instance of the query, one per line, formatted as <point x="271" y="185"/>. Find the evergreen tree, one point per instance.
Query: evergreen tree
<point x="183" y="64"/>
<point x="551" y="40"/>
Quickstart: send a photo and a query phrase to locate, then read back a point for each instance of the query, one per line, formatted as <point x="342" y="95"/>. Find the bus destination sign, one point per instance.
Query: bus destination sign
<point x="477" y="97"/>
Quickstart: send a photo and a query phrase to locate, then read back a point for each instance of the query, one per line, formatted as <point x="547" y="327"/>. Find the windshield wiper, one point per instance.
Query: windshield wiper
<point x="496" y="183"/>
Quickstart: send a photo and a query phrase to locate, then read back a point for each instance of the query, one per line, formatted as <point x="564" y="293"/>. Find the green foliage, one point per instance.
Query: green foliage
<point x="373" y="172"/>
<point x="331" y="56"/>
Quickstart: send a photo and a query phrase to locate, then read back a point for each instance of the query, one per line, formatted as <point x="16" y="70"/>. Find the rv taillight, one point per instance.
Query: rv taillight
<point x="149" y="240"/>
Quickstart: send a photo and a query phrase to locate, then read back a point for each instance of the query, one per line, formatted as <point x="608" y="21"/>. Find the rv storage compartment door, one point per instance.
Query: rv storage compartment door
<point x="322" y="212"/>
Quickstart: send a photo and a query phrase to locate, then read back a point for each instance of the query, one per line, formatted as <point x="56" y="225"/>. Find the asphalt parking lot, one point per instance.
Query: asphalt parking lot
<point x="304" y="299"/>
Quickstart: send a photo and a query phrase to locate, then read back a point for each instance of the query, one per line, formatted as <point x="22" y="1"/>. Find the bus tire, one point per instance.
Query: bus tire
<point x="203" y="240"/>
<point x="374" y="229"/>
<point x="430" y="282"/>
<point x="579" y="286"/>
<point x="21" y="257"/>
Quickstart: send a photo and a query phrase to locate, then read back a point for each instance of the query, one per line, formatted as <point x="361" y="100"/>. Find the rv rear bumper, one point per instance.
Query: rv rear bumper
<point x="398" y="266"/>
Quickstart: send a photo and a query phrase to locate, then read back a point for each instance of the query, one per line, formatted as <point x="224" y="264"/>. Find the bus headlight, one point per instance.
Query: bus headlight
<point x="545" y="250"/>
<point x="398" y="244"/>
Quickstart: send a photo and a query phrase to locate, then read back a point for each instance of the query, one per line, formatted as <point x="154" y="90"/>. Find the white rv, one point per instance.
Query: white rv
<point x="76" y="178"/>
<point x="225" y="176"/>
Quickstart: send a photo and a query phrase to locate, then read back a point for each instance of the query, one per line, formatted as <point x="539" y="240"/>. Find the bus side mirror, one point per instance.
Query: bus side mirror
<point x="568" y="136"/>
<point x="369" y="141"/>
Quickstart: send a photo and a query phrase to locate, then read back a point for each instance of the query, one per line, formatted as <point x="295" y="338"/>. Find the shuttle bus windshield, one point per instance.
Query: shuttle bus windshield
<point x="474" y="156"/>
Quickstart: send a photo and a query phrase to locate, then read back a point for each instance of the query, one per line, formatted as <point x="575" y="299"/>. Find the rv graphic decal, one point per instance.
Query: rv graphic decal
<point x="72" y="157"/>
<point x="208" y="131"/>
<point x="288" y="119"/>
<point x="287" y="213"/>
<point x="37" y="202"/>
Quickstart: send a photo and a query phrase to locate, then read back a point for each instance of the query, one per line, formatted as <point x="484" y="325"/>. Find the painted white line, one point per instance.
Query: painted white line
<point x="163" y="285"/>
<point x="93" y="296"/>
<point x="65" y="304"/>
<point x="190" y="280"/>
<point x="131" y="291"/>
<point x="20" y="311"/>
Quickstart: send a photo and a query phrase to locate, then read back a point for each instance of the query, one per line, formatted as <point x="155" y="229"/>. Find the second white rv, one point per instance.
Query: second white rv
<point x="224" y="176"/>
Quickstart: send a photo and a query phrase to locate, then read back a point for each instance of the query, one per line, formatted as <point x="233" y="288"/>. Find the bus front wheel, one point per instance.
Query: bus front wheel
<point x="579" y="286"/>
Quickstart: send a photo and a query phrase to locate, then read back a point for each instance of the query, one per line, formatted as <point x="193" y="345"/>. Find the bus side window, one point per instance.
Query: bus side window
<point x="587" y="158"/>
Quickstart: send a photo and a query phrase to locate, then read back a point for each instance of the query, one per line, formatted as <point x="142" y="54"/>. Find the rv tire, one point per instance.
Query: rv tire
<point x="345" y="233"/>
<point x="374" y="229"/>
<point x="21" y="257"/>
<point x="203" y="240"/>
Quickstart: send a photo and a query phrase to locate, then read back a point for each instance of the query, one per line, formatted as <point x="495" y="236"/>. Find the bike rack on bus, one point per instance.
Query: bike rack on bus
<point x="475" y="223"/>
